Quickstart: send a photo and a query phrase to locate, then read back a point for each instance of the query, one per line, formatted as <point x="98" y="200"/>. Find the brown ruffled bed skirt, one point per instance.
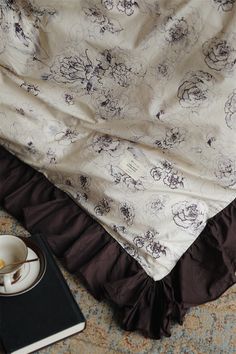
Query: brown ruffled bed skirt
<point x="202" y="274"/>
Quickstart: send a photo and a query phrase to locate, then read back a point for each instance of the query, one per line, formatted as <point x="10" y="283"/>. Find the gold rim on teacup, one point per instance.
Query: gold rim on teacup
<point x="12" y="249"/>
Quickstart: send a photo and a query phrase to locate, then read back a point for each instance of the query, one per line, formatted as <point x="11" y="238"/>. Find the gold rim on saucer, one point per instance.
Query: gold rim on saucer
<point x="43" y="262"/>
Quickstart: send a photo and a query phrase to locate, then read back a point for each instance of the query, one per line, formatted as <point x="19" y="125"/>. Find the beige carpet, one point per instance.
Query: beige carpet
<point x="210" y="328"/>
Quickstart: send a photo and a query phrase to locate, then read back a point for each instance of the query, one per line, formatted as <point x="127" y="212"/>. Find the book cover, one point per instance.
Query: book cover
<point x="43" y="315"/>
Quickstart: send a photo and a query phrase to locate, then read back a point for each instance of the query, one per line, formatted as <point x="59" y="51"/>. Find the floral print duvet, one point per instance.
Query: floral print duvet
<point x="129" y="107"/>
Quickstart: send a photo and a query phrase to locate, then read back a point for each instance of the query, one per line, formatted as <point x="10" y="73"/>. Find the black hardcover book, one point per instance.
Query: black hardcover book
<point x="43" y="315"/>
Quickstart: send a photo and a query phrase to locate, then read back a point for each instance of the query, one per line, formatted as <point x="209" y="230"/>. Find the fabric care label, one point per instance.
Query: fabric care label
<point x="130" y="165"/>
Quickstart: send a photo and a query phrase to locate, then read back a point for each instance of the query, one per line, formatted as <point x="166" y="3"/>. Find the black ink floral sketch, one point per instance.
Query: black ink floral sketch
<point x="4" y="30"/>
<point x="31" y="147"/>
<point x="163" y="69"/>
<point x="20" y="111"/>
<point x="190" y="216"/>
<point x="175" y="29"/>
<point x="127" y="6"/>
<point x="69" y="99"/>
<point x="33" y="89"/>
<point x="155" y="205"/>
<point x="108" y="106"/>
<point x="51" y="156"/>
<point x="100" y="19"/>
<point x="103" y="207"/>
<point x="105" y="143"/>
<point x="130" y="249"/>
<point x="174" y="180"/>
<point x="219" y="54"/>
<point x="124" y="6"/>
<point x="173" y="137"/>
<point x="62" y="133"/>
<point x="119" y="228"/>
<point x="121" y="177"/>
<point x="194" y="89"/>
<point x="230" y="110"/>
<point x="170" y="177"/>
<point x="81" y="197"/>
<point x="85" y="182"/>
<point x="225" y="171"/>
<point x="154" y="248"/>
<point x="225" y="5"/>
<point x="109" y="4"/>
<point x="181" y="32"/>
<point x="127" y="212"/>
<point x="76" y="69"/>
<point x="67" y="136"/>
<point x="122" y="72"/>
<point x="16" y="29"/>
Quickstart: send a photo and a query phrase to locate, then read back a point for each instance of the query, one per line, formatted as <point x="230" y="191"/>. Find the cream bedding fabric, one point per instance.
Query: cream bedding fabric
<point x="130" y="107"/>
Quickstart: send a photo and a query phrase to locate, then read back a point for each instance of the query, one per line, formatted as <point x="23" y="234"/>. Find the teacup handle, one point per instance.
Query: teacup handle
<point x="7" y="283"/>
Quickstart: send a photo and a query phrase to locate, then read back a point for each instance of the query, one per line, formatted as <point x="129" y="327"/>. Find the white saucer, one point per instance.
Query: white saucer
<point x="32" y="272"/>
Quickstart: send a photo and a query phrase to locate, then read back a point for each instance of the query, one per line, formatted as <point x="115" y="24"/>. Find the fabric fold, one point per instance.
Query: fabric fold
<point x="202" y="274"/>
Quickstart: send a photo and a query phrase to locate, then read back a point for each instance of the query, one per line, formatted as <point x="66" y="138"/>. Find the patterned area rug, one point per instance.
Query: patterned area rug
<point x="209" y="328"/>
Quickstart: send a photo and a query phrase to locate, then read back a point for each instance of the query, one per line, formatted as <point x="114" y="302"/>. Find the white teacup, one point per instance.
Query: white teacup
<point x="12" y="249"/>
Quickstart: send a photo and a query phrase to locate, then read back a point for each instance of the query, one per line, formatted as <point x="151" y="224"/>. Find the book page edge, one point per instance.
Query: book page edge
<point x="51" y="339"/>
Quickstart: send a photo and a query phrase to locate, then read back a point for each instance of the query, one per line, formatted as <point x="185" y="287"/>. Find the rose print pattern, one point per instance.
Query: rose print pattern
<point x="176" y="29"/>
<point x="190" y="216"/>
<point x="51" y="156"/>
<point x="30" y="147"/>
<point x="81" y="197"/>
<point x="122" y="72"/>
<point x="85" y="182"/>
<point x="109" y="107"/>
<point x="81" y="72"/>
<point x="174" y="180"/>
<point x="127" y="6"/>
<point x="230" y="110"/>
<point x="15" y="32"/>
<point x="156" y="173"/>
<point x="170" y="177"/>
<point x="173" y="137"/>
<point x="225" y="5"/>
<point x="130" y="249"/>
<point x="154" y="248"/>
<point x="156" y="205"/>
<point x="67" y="136"/>
<point x="33" y="89"/>
<point x="61" y="133"/>
<point x="127" y="212"/>
<point x="103" y="207"/>
<point x="97" y="17"/>
<point x="71" y="68"/>
<point x="20" y="111"/>
<point x="181" y="32"/>
<point x="119" y="229"/>
<point x="105" y="143"/>
<point x="219" y="54"/>
<point x="194" y="89"/>
<point x="225" y="171"/>
<point x="69" y="99"/>
<point x="109" y="4"/>
<point x="4" y="29"/>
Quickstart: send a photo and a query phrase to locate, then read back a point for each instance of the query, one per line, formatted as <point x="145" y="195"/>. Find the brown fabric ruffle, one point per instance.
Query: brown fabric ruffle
<point x="202" y="274"/>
